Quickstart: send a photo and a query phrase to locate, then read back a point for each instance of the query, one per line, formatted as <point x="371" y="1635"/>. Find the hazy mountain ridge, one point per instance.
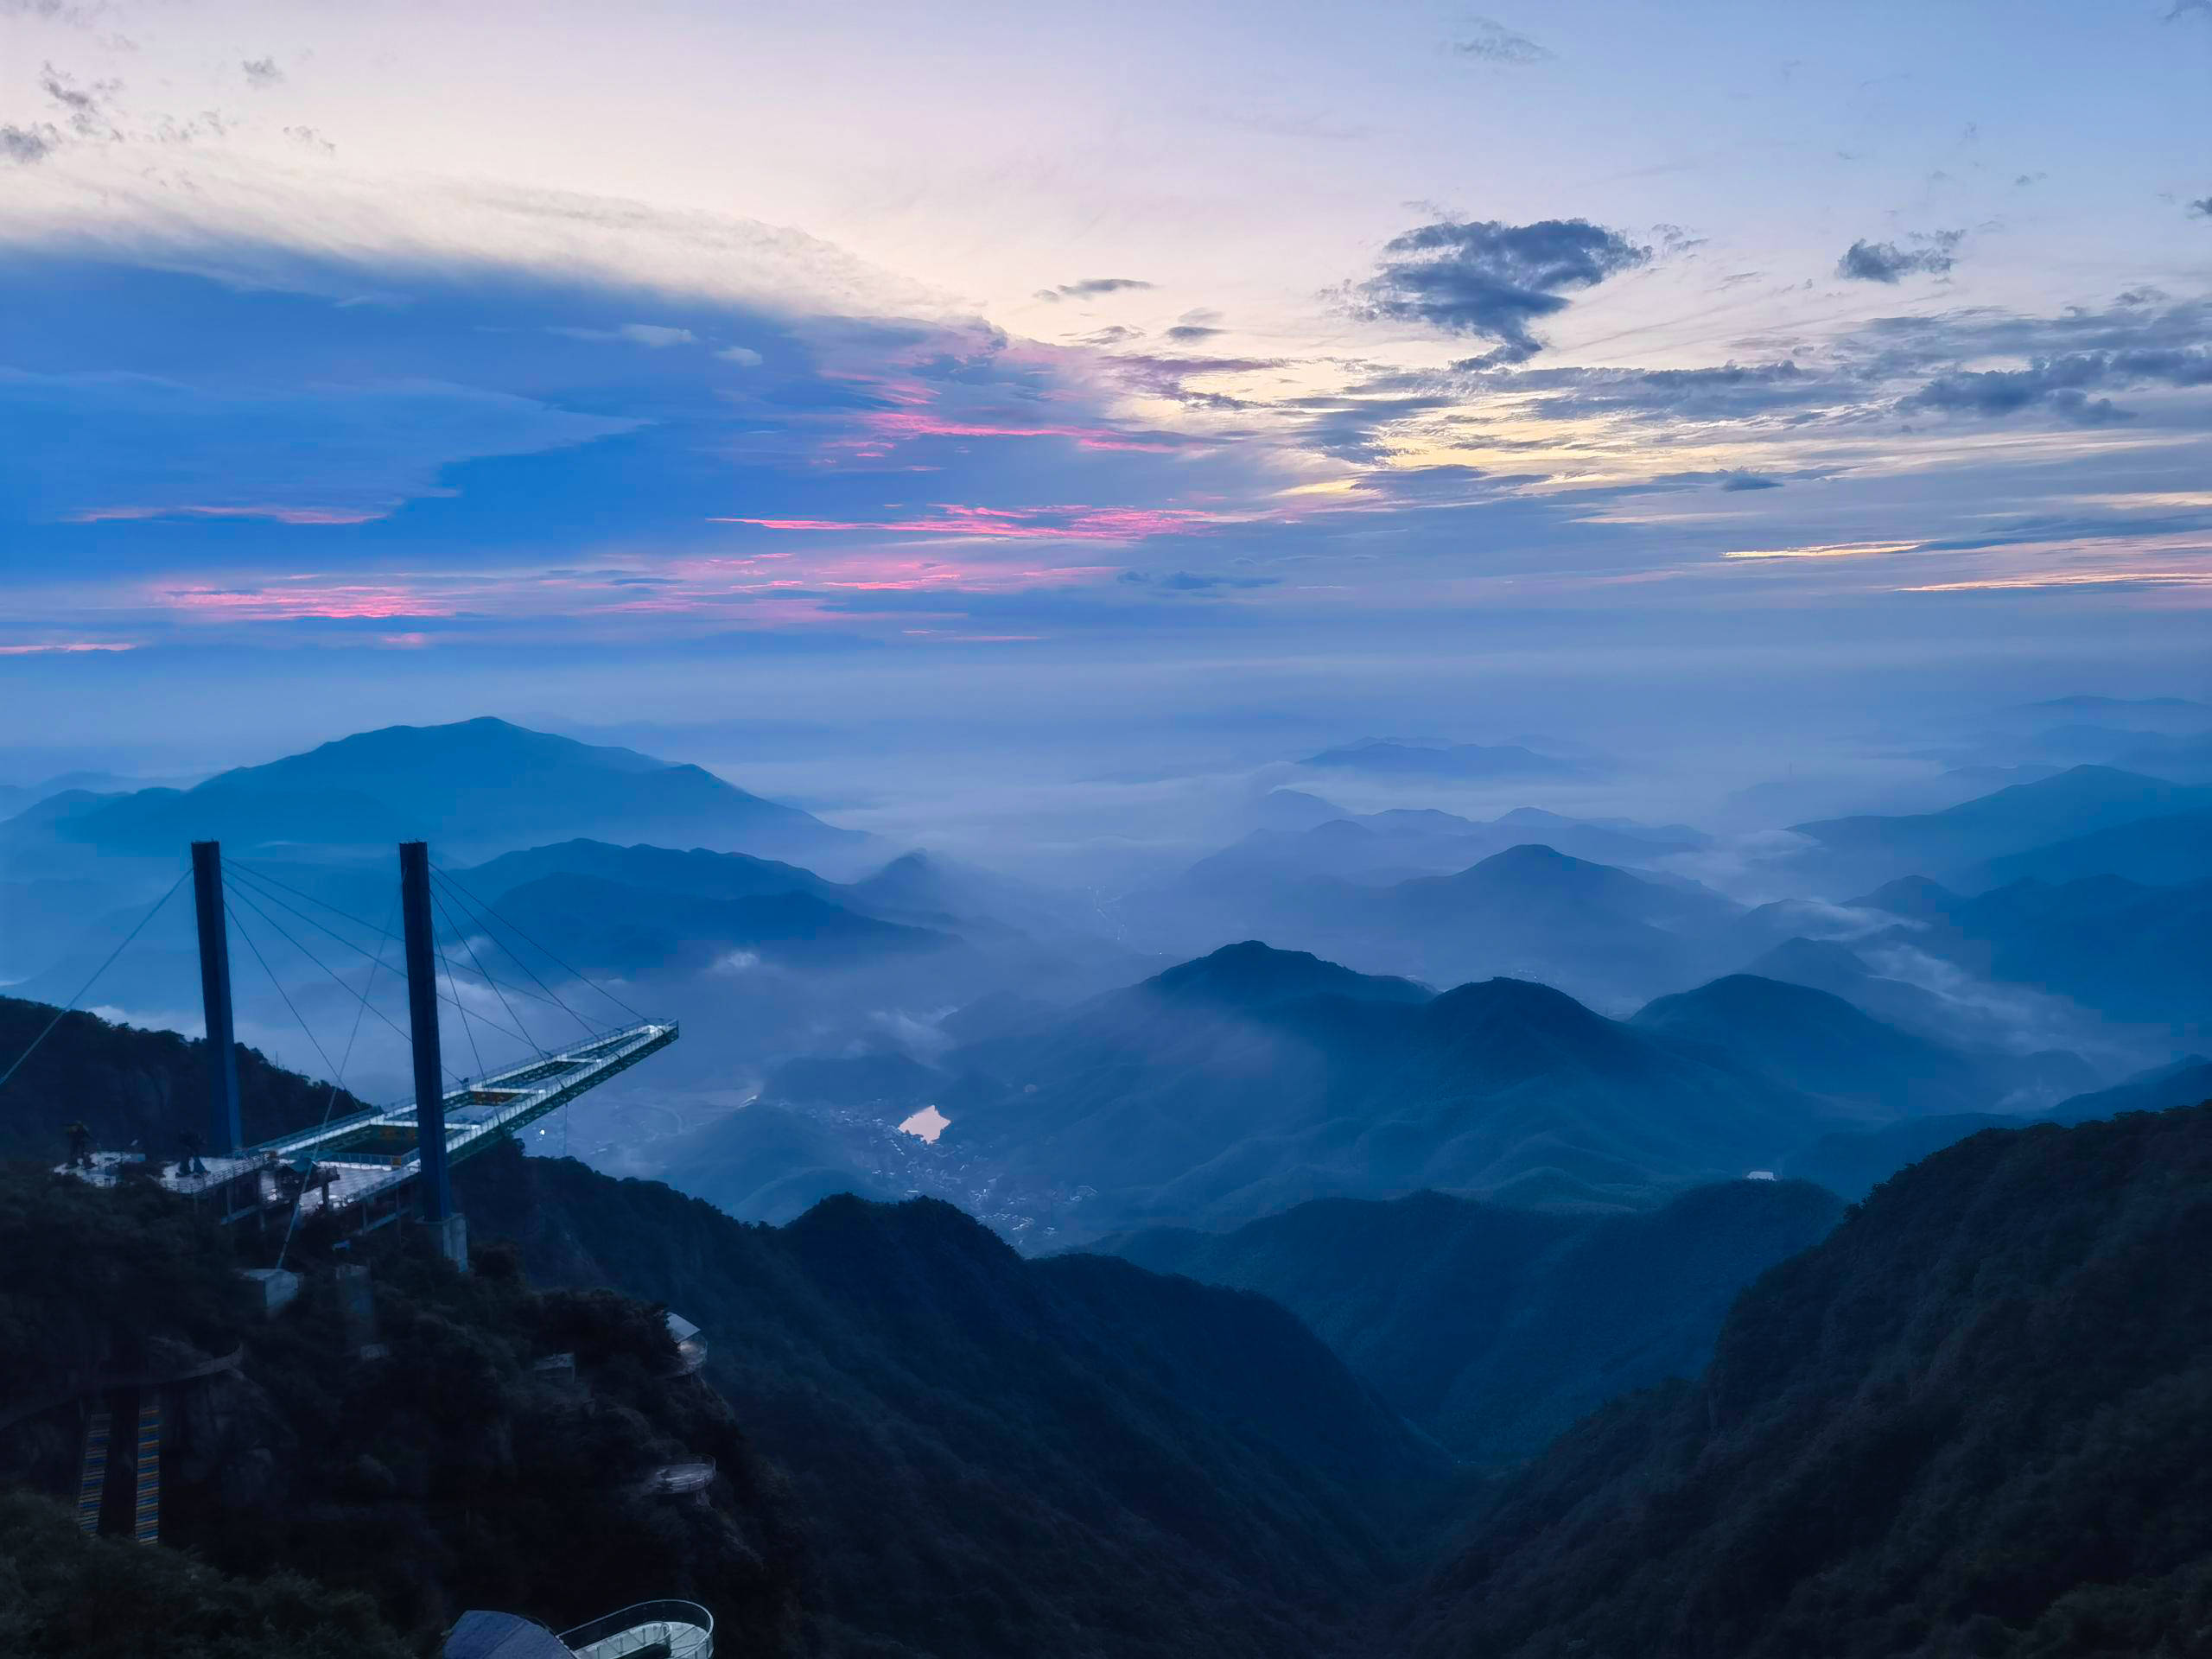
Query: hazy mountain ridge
<point x="1179" y="1105"/>
<point x="473" y="784"/>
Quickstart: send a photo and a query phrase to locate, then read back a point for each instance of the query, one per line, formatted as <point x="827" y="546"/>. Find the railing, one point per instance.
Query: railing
<point x="684" y="1630"/>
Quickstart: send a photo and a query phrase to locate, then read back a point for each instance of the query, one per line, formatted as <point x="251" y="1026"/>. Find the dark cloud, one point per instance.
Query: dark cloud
<point x="85" y="106"/>
<point x="1885" y="261"/>
<point x="2201" y="208"/>
<point x="1191" y="581"/>
<point x="1090" y="288"/>
<point x="1489" y="40"/>
<point x="312" y="139"/>
<point x="1748" y="481"/>
<point x="1493" y="280"/>
<point x="2062" y="385"/>
<point x="23" y="145"/>
<point x="262" y="71"/>
<point x="1189" y="334"/>
<point x="1113" y="334"/>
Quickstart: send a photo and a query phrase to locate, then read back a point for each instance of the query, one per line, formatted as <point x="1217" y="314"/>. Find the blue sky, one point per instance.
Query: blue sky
<point x="597" y="363"/>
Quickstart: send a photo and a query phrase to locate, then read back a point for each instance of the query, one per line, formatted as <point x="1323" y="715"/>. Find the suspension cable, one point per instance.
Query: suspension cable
<point x="455" y="1001"/>
<point x="564" y="966"/>
<point x="246" y="898"/>
<point x="87" y="985"/>
<point x="468" y="1030"/>
<point x="552" y="994"/>
<point x="331" y="1100"/>
<point x="313" y="1039"/>
<point x="264" y="881"/>
<point x="468" y="945"/>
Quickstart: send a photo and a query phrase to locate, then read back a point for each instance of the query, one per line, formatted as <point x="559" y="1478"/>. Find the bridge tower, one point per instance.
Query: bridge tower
<point x="225" y="1135"/>
<point x="436" y="1185"/>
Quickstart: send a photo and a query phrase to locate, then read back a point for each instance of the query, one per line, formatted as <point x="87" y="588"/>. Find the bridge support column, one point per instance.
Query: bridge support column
<point x="433" y="1183"/>
<point x="225" y="1135"/>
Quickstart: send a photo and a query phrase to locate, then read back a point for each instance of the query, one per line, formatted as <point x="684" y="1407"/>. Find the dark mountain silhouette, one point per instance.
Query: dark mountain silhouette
<point x="480" y="784"/>
<point x="1254" y="1078"/>
<point x="1002" y="1456"/>
<point x="1965" y="1422"/>
<point x="1496" y="1328"/>
<point x="1860" y="851"/>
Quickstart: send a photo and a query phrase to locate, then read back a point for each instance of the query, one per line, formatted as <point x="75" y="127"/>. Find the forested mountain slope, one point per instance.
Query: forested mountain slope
<point x="1974" y="1420"/>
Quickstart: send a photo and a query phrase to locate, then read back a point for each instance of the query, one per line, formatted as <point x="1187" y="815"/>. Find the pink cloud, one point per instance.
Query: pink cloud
<point x="348" y="601"/>
<point x="282" y="515"/>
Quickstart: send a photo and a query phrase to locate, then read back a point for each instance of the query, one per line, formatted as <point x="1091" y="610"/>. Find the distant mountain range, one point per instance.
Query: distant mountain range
<point x="1256" y="1078"/>
<point x="1370" y="847"/>
<point x="1382" y="757"/>
<point x="2133" y="953"/>
<point x="1856" y="853"/>
<point x="1494" y="1328"/>
<point x="476" y="786"/>
<point x="1529" y="912"/>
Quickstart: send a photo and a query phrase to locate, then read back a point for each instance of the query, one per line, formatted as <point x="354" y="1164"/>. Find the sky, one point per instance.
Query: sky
<point x="914" y="380"/>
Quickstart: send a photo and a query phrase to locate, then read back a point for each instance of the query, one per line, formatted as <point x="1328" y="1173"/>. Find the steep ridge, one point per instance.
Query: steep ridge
<point x="1972" y="1420"/>
<point x="998" y="1457"/>
<point x="1495" y="1328"/>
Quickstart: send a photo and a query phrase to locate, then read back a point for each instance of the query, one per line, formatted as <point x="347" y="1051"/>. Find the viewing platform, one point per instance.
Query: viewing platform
<point x="679" y="1629"/>
<point x="356" y="1160"/>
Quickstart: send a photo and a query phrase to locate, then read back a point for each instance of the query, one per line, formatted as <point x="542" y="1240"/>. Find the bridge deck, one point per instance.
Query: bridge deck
<point x="373" y="1153"/>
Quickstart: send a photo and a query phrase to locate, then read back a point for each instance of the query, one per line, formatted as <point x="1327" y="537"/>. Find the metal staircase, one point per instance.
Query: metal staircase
<point x="146" y="1516"/>
<point x="91" y="1475"/>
